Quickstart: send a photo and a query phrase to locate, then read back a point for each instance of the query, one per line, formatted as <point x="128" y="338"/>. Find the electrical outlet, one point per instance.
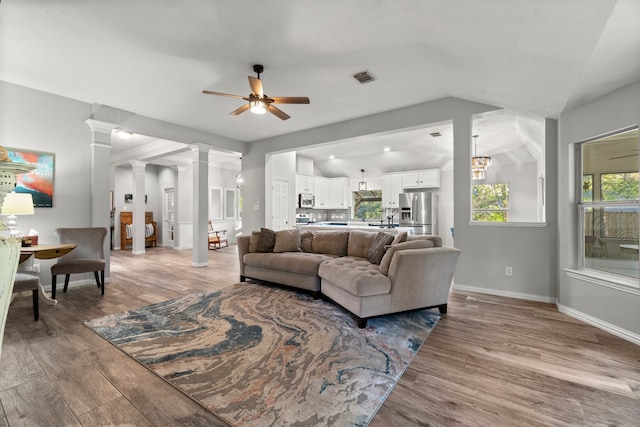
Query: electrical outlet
<point x="36" y="268"/>
<point x="508" y="271"/>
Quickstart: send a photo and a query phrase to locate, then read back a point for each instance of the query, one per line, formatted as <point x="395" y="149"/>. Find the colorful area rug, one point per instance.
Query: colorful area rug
<point x="263" y="356"/>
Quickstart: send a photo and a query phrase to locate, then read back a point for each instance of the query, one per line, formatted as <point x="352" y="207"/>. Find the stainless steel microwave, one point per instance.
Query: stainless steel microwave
<point x="305" y="200"/>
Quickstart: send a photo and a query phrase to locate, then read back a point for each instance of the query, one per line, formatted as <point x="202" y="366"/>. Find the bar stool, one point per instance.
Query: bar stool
<point x="28" y="282"/>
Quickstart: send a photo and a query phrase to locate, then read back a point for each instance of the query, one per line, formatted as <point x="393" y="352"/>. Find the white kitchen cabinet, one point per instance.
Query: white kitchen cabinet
<point x="304" y="184"/>
<point x="391" y="185"/>
<point x="428" y="178"/>
<point x="321" y="192"/>
<point x="338" y="189"/>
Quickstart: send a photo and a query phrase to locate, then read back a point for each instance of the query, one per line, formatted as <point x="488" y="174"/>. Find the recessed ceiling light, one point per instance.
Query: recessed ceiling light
<point x="331" y="157"/>
<point x="386" y="149"/>
<point x="123" y="134"/>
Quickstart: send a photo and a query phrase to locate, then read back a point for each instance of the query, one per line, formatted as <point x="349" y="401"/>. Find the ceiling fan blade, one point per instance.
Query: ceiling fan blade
<point x="256" y="86"/>
<point x="622" y="157"/>
<point x="290" y="100"/>
<point x="240" y="110"/>
<point x="208" y="92"/>
<point x="277" y="112"/>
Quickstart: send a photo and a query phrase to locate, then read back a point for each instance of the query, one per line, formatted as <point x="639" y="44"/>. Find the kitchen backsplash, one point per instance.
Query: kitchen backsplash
<point x="317" y="215"/>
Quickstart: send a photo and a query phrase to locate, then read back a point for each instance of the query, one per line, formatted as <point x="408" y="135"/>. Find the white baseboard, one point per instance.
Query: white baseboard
<point x="600" y="324"/>
<point x="501" y="293"/>
<point x="605" y="326"/>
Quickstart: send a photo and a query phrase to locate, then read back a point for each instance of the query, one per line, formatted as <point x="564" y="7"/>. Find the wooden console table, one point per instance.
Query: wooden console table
<point x="46" y="252"/>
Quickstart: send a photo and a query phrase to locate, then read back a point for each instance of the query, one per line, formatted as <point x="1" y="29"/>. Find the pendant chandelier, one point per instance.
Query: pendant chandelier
<point x="362" y="185"/>
<point x="479" y="164"/>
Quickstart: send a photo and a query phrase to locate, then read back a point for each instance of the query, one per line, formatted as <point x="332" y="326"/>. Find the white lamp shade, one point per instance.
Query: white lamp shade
<point x="18" y="204"/>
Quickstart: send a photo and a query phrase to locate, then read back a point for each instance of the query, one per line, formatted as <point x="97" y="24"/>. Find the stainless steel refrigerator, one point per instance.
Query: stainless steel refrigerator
<point x="419" y="210"/>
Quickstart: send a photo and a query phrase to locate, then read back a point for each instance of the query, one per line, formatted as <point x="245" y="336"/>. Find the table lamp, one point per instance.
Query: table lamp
<point x="16" y="204"/>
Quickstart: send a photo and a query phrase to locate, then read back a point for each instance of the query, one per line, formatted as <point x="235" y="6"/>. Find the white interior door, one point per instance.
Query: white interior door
<point x="169" y="217"/>
<point x="280" y="199"/>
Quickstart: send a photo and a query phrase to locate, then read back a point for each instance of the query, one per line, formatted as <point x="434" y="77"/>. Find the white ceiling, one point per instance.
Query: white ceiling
<point x="154" y="57"/>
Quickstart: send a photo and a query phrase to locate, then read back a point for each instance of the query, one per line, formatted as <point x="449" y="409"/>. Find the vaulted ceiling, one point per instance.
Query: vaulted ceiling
<point x="154" y="57"/>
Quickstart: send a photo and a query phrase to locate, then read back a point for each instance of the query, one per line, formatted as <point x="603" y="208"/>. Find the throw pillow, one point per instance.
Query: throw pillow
<point x="253" y="241"/>
<point x="392" y="249"/>
<point x="287" y="241"/>
<point x="400" y="237"/>
<point x="330" y="242"/>
<point x="306" y="241"/>
<point x="267" y="240"/>
<point x="377" y="248"/>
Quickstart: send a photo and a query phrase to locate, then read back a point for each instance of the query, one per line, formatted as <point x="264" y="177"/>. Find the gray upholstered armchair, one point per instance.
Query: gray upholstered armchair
<point x="87" y="257"/>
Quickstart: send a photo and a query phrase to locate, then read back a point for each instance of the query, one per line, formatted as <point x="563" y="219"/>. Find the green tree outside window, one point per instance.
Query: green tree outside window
<point x="490" y="202"/>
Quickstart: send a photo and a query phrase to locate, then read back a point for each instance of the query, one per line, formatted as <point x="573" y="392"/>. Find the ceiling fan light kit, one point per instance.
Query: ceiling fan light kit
<point x="258" y="102"/>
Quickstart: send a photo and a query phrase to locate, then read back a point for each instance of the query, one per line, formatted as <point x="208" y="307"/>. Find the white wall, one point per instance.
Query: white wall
<point x="523" y="182"/>
<point x="613" y="308"/>
<point x="123" y="184"/>
<point x="225" y="179"/>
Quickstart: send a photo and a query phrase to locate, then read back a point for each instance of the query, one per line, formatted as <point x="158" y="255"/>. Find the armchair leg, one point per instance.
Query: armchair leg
<point x="53" y="286"/>
<point x="95" y="273"/>
<point x="66" y="282"/>
<point x="36" y="310"/>
<point x="102" y="282"/>
<point x="443" y="308"/>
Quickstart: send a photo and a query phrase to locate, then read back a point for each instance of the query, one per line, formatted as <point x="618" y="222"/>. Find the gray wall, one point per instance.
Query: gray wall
<point x="486" y="250"/>
<point x="596" y="303"/>
<point x="36" y="120"/>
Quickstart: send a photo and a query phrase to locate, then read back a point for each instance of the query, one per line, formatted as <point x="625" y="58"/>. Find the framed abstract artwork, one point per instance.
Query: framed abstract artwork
<point x="38" y="182"/>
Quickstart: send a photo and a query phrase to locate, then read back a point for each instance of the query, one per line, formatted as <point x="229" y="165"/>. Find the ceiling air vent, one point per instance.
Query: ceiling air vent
<point x="435" y="134"/>
<point x="363" y="77"/>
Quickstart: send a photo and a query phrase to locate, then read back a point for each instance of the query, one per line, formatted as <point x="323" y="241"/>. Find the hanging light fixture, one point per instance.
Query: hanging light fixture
<point x="479" y="164"/>
<point x="362" y="185"/>
<point x="258" y="106"/>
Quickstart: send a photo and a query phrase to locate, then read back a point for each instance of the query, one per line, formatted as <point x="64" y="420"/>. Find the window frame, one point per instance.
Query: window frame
<point x="596" y="275"/>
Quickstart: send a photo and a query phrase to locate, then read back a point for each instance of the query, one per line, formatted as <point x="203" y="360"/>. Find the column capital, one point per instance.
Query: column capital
<point x="98" y="125"/>
<point x="137" y="166"/>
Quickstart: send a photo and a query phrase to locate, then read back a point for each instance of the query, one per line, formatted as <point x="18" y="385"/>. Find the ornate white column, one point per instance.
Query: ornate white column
<point x="200" y="256"/>
<point x="100" y="180"/>
<point x="138" y="172"/>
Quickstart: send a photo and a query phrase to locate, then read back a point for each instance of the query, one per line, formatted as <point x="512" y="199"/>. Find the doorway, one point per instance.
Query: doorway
<point x="280" y="200"/>
<point x="168" y="231"/>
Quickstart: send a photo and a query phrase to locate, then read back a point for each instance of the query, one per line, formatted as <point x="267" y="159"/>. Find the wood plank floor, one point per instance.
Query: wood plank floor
<point x="491" y="361"/>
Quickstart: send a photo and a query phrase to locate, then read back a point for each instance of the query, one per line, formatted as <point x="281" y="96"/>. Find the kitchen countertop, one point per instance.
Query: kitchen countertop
<point x="352" y="226"/>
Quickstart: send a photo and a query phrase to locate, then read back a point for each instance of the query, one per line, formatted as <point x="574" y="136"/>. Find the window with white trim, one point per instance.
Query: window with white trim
<point x="609" y="205"/>
<point x="490" y="202"/>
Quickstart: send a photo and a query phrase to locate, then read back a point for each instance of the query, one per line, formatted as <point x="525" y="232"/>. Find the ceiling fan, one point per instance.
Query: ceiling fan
<point x="258" y="101"/>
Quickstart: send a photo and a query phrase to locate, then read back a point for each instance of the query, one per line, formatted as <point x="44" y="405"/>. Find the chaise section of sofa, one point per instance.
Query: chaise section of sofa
<point x="356" y="269"/>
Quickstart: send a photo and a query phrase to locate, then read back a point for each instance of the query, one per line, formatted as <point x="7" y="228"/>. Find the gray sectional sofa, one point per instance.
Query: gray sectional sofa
<point x="351" y="269"/>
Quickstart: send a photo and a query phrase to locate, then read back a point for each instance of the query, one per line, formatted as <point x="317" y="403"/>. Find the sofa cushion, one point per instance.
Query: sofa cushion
<point x="392" y="249"/>
<point x="359" y="243"/>
<point x="287" y="241"/>
<point x="437" y="240"/>
<point x="294" y="262"/>
<point x="306" y="239"/>
<point x="400" y="237"/>
<point x="377" y="248"/>
<point x="355" y="275"/>
<point x="253" y="241"/>
<point x="330" y="242"/>
<point x="267" y="240"/>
